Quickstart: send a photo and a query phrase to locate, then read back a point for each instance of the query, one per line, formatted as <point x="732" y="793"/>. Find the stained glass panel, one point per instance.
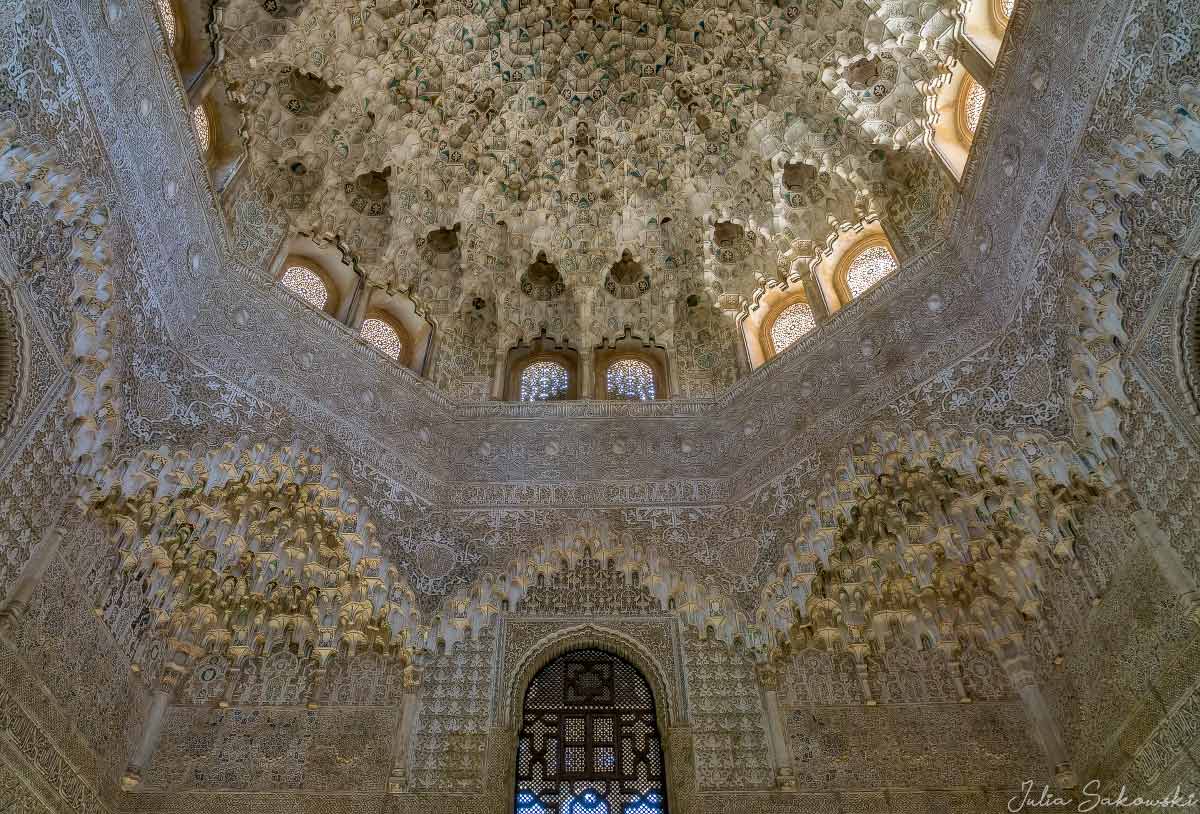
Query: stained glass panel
<point x="544" y="381"/>
<point x="792" y="323"/>
<point x="383" y="336"/>
<point x="869" y="267"/>
<point x="307" y="284"/>
<point x="1006" y="8"/>
<point x="589" y="740"/>
<point x="630" y="379"/>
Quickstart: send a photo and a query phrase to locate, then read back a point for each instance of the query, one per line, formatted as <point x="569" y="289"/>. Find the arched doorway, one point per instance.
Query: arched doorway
<point x="589" y="741"/>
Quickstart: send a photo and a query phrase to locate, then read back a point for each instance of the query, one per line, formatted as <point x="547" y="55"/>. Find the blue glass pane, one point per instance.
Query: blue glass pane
<point x="588" y="801"/>
<point x="527" y="803"/>
<point x="650" y="804"/>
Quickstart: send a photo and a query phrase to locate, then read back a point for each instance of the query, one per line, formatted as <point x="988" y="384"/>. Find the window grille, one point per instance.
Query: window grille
<point x="544" y="381"/>
<point x="383" y="336"/>
<point x="976" y="96"/>
<point x="167" y="15"/>
<point x="307" y="284"/>
<point x="869" y="267"/>
<point x="792" y="323"/>
<point x="589" y="740"/>
<point x="630" y="379"/>
<point x="200" y="122"/>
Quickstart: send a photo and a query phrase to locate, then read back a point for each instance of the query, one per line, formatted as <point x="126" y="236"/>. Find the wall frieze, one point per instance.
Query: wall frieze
<point x="25" y="742"/>
<point x="588" y="494"/>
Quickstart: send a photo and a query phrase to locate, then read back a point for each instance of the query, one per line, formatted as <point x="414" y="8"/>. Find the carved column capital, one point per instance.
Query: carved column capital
<point x="1010" y="647"/>
<point x="861" y="672"/>
<point x="815" y="296"/>
<point x="397" y="780"/>
<point x="233" y="678"/>
<point x="313" y="691"/>
<point x="956" y="674"/>
<point x="1017" y="666"/>
<point x="767" y="675"/>
<point x="181" y="656"/>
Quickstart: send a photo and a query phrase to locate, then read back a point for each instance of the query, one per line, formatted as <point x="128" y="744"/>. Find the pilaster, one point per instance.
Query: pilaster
<point x="1169" y="563"/>
<point x="17" y="601"/>
<point x="781" y="755"/>
<point x="175" y="672"/>
<point x="1017" y="664"/>
<point x="406" y="723"/>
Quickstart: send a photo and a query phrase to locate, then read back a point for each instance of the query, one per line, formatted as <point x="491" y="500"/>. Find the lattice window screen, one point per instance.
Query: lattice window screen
<point x="589" y="740"/>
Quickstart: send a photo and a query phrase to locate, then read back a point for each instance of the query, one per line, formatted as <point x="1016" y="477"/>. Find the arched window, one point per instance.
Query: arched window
<point x="307" y="284"/>
<point x="1004" y="9"/>
<point x="589" y="740"/>
<point x="201" y="124"/>
<point x="630" y="379"/>
<point x="384" y="336"/>
<point x="167" y="15"/>
<point x="792" y="322"/>
<point x="544" y="369"/>
<point x="970" y="108"/>
<point x="864" y="266"/>
<point x="960" y="102"/>
<point x="544" y="380"/>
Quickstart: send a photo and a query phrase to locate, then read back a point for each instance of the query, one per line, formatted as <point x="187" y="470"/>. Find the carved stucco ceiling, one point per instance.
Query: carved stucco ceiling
<point x="704" y="465"/>
<point x="584" y="130"/>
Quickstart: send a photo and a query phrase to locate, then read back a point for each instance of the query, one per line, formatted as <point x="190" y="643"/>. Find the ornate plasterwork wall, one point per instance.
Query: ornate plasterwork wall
<point x="29" y="295"/>
<point x="861" y="747"/>
<point x="60" y="658"/>
<point x="264" y="749"/>
<point x="729" y="738"/>
<point x="456" y="718"/>
<point x="1143" y="127"/>
<point x="505" y="486"/>
<point x="696" y="450"/>
<point x="481" y="524"/>
<point x="186" y="404"/>
<point x="20" y="799"/>
<point x="713" y="720"/>
<point x="12" y="356"/>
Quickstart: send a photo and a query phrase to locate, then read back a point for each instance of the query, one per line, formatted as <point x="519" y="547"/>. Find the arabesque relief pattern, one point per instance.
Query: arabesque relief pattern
<point x="944" y="514"/>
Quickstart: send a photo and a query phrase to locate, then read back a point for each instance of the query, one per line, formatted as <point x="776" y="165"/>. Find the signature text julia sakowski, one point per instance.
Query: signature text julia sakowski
<point x="1033" y="798"/>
